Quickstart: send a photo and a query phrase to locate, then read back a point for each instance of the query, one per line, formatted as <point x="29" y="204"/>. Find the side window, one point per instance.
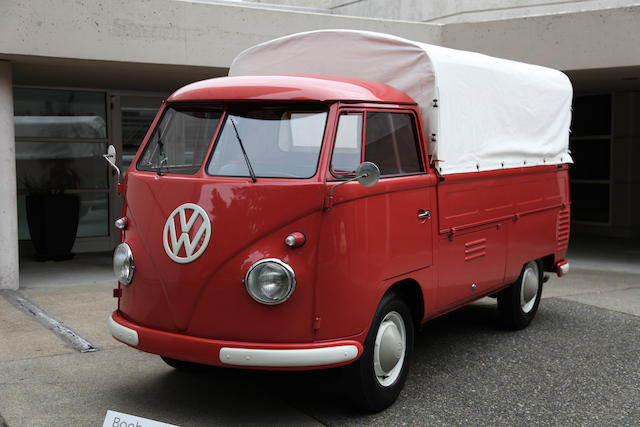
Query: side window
<point x="391" y="143"/>
<point x="348" y="145"/>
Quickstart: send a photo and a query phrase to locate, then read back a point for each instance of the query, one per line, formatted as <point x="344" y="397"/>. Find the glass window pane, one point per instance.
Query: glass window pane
<point x="94" y="215"/>
<point x="23" y="225"/>
<point x="281" y="141"/>
<point x="135" y="124"/>
<point x="391" y="143"/>
<point x="48" y="113"/>
<point x="180" y="140"/>
<point x="52" y="167"/>
<point x="347" y="151"/>
<point x="590" y="159"/>
<point x="378" y="145"/>
<point x="407" y="141"/>
<point x="590" y="202"/>
<point x="301" y="131"/>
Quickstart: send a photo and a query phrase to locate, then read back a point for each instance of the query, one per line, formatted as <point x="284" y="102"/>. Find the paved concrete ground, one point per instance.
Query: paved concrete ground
<point x="84" y="269"/>
<point x="576" y="364"/>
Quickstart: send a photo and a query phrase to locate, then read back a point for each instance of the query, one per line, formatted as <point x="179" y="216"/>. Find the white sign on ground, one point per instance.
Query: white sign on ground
<point x="119" y="419"/>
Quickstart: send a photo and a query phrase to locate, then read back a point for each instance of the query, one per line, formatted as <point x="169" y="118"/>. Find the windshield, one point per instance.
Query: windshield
<point x="181" y="139"/>
<point x="279" y="141"/>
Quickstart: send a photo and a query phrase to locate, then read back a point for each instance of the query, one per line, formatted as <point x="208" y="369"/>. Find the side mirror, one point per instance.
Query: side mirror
<point x="367" y="175"/>
<point x="110" y="157"/>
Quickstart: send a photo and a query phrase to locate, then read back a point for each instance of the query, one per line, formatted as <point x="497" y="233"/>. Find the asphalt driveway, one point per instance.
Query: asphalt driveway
<point x="576" y="364"/>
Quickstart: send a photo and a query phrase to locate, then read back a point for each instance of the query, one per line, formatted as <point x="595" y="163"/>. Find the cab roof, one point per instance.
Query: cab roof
<point x="290" y="88"/>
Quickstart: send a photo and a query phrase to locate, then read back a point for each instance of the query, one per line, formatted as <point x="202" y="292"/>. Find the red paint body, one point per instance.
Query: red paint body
<point x="483" y="228"/>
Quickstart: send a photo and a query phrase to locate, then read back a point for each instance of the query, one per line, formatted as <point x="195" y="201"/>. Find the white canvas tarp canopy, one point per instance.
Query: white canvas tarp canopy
<point x="491" y="113"/>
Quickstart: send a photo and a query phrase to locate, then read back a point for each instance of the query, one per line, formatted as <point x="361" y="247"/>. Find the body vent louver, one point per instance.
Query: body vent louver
<point x="562" y="234"/>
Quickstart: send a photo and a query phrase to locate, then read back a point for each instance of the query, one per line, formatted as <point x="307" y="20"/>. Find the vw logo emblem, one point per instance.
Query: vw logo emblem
<point x="174" y="241"/>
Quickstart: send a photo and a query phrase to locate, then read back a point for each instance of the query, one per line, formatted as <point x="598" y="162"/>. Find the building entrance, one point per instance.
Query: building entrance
<point x="61" y="135"/>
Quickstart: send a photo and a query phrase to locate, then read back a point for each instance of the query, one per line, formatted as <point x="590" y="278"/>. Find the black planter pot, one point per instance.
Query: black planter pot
<point x="53" y="224"/>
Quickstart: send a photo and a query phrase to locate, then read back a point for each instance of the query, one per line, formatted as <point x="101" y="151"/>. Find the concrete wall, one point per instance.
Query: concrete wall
<point x="599" y="39"/>
<point x="191" y="34"/>
<point x="163" y="31"/>
<point x="586" y="35"/>
<point x="447" y="11"/>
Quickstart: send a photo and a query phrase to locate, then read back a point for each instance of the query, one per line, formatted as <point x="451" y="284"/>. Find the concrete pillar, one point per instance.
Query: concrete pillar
<point x="8" y="196"/>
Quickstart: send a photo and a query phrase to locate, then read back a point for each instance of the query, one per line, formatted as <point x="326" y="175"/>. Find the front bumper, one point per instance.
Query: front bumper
<point x="233" y="353"/>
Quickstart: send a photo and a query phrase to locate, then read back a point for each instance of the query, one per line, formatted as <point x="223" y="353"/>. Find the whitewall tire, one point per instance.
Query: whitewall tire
<point x="377" y="377"/>
<point x="519" y="303"/>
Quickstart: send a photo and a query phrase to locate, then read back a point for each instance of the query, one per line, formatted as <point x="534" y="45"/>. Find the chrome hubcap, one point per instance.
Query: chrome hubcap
<point x="389" y="350"/>
<point x="529" y="288"/>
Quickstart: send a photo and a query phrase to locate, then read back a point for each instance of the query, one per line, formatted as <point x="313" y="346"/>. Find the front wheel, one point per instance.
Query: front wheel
<point x="518" y="303"/>
<point x="378" y="376"/>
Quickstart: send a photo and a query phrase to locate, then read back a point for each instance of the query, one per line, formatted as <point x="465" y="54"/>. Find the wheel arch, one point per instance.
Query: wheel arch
<point x="409" y="290"/>
<point x="548" y="263"/>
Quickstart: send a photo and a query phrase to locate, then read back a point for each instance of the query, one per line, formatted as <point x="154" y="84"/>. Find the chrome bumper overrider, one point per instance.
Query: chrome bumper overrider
<point x="122" y="333"/>
<point x="562" y="268"/>
<point x="288" y="358"/>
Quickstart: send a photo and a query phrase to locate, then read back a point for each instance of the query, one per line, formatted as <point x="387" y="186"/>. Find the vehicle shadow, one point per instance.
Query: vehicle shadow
<point x="219" y="395"/>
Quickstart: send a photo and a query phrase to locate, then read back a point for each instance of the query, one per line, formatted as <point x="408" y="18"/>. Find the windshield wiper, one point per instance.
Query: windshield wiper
<point x="244" y="153"/>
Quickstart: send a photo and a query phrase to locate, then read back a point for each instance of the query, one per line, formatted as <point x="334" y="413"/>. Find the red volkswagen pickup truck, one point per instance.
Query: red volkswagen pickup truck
<point x="311" y="221"/>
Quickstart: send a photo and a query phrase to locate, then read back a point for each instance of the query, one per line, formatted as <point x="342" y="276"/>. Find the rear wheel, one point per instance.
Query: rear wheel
<point x="518" y="303"/>
<point x="378" y="376"/>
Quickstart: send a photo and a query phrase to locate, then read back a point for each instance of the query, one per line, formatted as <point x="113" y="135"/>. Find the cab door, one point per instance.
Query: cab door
<point x="391" y="142"/>
<point x="379" y="235"/>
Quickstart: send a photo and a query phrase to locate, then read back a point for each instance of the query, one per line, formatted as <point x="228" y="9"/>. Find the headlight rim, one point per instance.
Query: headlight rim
<point x="128" y="260"/>
<point x="287" y="268"/>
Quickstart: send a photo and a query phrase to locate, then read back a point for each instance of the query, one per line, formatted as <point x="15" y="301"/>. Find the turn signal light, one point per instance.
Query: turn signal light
<point x="295" y="239"/>
<point x="122" y="223"/>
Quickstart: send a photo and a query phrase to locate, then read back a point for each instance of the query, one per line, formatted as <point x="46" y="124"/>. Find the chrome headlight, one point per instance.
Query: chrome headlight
<point x="270" y="281"/>
<point x="123" y="263"/>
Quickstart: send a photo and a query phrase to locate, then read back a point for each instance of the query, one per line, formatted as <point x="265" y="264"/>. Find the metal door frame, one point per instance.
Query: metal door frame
<point x="119" y="100"/>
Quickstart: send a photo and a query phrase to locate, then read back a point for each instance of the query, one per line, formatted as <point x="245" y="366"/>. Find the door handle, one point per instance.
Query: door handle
<point x="422" y="214"/>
